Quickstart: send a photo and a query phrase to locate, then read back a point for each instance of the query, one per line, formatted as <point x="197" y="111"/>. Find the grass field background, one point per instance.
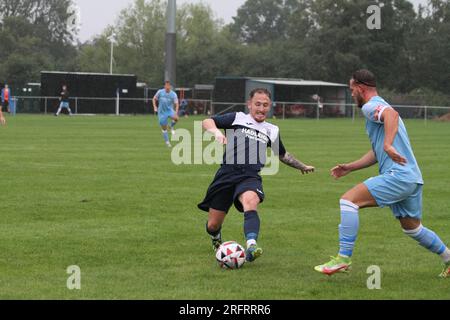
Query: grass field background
<point x="103" y="194"/>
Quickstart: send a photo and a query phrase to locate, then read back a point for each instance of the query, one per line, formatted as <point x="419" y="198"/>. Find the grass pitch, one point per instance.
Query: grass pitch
<point x="103" y="194"/>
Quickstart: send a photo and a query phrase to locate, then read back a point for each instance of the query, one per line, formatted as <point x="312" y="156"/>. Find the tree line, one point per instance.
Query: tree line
<point x="309" y="39"/>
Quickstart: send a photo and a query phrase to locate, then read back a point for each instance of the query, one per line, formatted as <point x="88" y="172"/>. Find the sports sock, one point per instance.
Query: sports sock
<point x="252" y="224"/>
<point x="215" y="235"/>
<point x="348" y="229"/>
<point x="446" y="255"/>
<point x="166" y="136"/>
<point x="172" y="125"/>
<point x="429" y="240"/>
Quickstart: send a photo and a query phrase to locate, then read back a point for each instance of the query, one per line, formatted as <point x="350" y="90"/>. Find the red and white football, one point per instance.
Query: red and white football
<point x="230" y="255"/>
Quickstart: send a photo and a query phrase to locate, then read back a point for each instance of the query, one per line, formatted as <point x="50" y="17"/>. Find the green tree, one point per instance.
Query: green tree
<point x="34" y="36"/>
<point x="49" y="16"/>
<point x="20" y="62"/>
<point x="95" y="56"/>
<point x="139" y="49"/>
<point x="205" y="48"/>
<point x="430" y="47"/>
<point x="332" y="40"/>
<point x="260" y="21"/>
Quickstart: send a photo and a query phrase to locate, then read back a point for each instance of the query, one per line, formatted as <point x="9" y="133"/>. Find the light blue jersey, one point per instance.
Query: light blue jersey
<point x="410" y="172"/>
<point x="166" y="101"/>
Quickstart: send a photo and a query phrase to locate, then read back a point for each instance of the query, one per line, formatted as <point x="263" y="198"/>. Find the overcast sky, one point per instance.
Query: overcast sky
<point x="95" y="16"/>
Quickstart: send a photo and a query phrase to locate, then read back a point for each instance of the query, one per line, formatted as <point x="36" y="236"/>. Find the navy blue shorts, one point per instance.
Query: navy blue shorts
<point x="229" y="184"/>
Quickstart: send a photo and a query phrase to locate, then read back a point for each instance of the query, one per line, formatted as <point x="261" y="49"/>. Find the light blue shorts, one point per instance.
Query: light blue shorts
<point x="404" y="198"/>
<point x="164" y="117"/>
<point x="64" y="105"/>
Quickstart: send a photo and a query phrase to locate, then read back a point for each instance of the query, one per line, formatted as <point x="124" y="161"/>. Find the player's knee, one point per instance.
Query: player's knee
<point x="250" y="201"/>
<point x="346" y="203"/>
<point x="214" y="225"/>
<point x="410" y="224"/>
<point x="350" y="197"/>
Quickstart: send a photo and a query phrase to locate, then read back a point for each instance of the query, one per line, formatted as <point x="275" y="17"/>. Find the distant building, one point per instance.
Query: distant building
<point x="294" y="96"/>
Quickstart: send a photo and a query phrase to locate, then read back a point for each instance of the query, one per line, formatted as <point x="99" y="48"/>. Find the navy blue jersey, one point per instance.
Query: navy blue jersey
<point x="248" y="140"/>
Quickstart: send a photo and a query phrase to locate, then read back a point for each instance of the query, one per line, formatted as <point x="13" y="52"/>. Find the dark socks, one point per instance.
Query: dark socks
<point x="252" y="225"/>
<point x="212" y="233"/>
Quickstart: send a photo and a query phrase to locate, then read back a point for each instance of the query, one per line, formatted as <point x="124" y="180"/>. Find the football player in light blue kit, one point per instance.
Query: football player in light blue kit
<point x="399" y="185"/>
<point x="163" y="104"/>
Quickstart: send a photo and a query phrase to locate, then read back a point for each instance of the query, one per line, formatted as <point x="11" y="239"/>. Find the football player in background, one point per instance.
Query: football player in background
<point x="164" y="102"/>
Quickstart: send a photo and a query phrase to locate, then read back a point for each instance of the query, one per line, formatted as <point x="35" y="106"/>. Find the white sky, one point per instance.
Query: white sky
<point x="96" y="15"/>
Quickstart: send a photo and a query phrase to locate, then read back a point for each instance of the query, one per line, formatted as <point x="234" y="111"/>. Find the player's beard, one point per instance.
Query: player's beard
<point x="359" y="101"/>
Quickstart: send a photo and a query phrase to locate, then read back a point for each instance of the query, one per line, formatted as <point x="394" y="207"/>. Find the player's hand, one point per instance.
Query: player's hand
<point x="220" y="138"/>
<point x="341" y="170"/>
<point x="2" y="121"/>
<point x="307" y="169"/>
<point x="395" y="156"/>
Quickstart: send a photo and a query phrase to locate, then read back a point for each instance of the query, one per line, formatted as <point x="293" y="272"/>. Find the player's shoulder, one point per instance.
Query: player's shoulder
<point x="374" y="109"/>
<point x="376" y="102"/>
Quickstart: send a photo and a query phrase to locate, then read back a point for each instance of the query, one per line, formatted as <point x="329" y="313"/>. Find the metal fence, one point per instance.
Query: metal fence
<point x="88" y="105"/>
<point x="280" y="110"/>
<point x="307" y="110"/>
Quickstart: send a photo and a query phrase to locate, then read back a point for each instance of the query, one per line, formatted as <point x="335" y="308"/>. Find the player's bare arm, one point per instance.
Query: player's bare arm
<point x="341" y="170"/>
<point x="155" y="102"/>
<point x="291" y="161"/>
<point x="177" y="108"/>
<point x="210" y="126"/>
<point x="390" y="117"/>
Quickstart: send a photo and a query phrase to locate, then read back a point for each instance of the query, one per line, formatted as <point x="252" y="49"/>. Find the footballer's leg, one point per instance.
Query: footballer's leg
<point x="174" y="117"/>
<point x="165" y="134"/>
<point x="357" y="198"/>
<point x="59" y="110"/>
<point x="216" y="219"/>
<point x="217" y="202"/>
<point x="250" y="201"/>
<point x="409" y="213"/>
<point x="429" y="240"/>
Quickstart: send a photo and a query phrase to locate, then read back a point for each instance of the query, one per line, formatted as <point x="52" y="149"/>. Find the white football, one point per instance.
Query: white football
<point x="230" y="255"/>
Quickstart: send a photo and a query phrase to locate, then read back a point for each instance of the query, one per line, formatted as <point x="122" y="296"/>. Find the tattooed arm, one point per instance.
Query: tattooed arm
<point x="291" y="161"/>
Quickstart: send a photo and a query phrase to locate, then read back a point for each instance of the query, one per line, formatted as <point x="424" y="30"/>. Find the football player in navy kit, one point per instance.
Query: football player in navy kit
<point x="238" y="181"/>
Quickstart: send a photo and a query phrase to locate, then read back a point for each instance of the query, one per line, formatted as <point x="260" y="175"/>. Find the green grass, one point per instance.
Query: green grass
<point x="102" y="193"/>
